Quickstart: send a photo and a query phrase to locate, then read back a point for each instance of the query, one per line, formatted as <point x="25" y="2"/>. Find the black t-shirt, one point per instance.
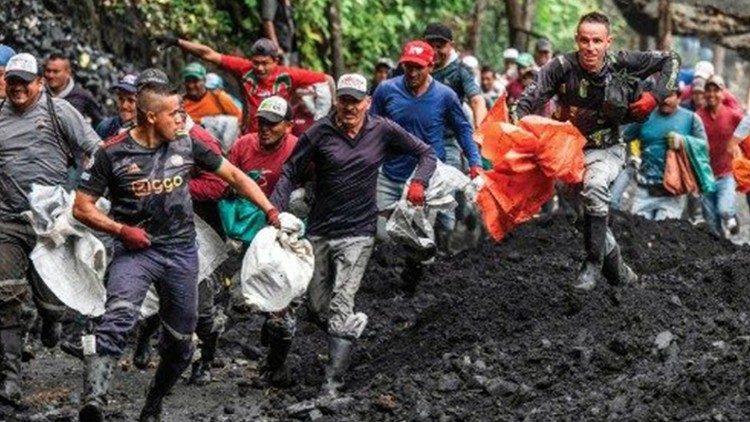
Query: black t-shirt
<point x="148" y="188"/>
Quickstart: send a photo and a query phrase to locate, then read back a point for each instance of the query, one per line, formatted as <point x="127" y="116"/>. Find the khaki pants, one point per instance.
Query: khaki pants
<point x="339" y="267"/>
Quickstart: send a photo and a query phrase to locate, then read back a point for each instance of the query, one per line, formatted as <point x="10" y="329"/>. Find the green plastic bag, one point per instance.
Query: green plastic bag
<point x="241" y="219"/>
<point x="697" y="152"/>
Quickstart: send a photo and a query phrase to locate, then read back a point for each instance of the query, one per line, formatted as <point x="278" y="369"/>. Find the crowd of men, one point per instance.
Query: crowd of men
<point x="356" y="146"/>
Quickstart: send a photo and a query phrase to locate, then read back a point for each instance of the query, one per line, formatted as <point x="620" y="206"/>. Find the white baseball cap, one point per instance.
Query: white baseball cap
<point x="353" y="85"/>
<point x="703" y="69"/>
<point x="22" y="65"/>
<point x="510" y="54"/>
<point x="274" y="109"/>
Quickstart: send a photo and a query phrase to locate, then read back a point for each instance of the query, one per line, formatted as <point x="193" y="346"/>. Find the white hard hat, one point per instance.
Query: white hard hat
<point x="510" y="54"/>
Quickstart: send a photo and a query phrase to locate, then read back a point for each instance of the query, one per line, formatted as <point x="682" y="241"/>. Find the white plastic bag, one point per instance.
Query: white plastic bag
<point x="212" y="252"/>
<point x="68" y="257"/>
<point x="278" y="266"/>
<point x="413" y="226"/>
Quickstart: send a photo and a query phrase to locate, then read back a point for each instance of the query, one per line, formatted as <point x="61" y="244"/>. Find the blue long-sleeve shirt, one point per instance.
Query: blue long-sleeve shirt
<point x="427" y="117"/>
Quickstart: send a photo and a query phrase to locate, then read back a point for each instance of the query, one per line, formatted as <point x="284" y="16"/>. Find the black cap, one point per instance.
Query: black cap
<point x="438" y="31"/>
<point x="543" y="44"/>
<point x="264" y="47"/>
<point x="152" y="76"/>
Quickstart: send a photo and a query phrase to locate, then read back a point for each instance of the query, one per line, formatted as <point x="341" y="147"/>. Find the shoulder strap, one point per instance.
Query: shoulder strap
<point x="63" y="140"/>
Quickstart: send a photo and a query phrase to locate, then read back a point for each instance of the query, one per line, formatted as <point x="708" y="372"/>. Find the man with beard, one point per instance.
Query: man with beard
<point x="39" y="136"/>
<point x="579" y="79"/>
<point x="347" y="150"/>
<point x="449" y="70"/>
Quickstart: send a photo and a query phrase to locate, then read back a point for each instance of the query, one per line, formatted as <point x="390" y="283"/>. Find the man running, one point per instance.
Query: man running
<point x="39" y="138"/>
<point x="347" y="150"/>
<point x="579" y="79"/>
<point x="146" y="171"/>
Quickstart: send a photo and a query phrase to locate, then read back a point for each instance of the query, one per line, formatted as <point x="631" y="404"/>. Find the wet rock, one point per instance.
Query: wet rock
<point x="449" y="382"/>
<point x="315" y="415"/>
<point x="336" y="405"/>
<point x="386" y="402"/>
<point x="500" y="387"/>
<point x="663" y="340"/>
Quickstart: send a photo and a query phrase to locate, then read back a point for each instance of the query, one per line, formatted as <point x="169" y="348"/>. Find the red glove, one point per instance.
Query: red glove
<point x="134" y="238"/>
<point x="272" y="216"/>
<point x="640" y="109"/>
<point x="415" y="194"/>
<point x="474" y="171"/>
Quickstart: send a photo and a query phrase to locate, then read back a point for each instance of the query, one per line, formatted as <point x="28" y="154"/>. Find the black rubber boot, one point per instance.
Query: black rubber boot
<point x="276" y="372"/>
<point x="411" y="275"/>
<point x="51" y="332"/>
<point x="594" y="235"/>
<point x="97" y="377"/>
<point x="167" y="375"/>
<point x="340" y="353"/>
<point x="12" y="342"/>
<point x="201" y="371"/>
<point x="616" y="271"/>
<point x="142" y="353"/>
<point x="72" y="348"/>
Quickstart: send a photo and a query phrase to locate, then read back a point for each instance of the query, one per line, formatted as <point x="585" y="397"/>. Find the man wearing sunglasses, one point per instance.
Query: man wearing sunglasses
<point x="39" y="138"/>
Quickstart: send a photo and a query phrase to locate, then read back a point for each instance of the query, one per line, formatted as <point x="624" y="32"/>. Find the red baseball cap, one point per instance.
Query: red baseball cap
<point x="418" y="52"/>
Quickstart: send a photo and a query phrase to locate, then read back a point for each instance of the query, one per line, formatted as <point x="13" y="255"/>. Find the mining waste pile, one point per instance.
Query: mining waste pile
<point x="492" y="334"/>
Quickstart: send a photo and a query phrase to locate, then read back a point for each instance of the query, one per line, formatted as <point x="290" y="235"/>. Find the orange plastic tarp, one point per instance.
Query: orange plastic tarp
<point x="741" y="167"/>
<point x="527" y="159"/>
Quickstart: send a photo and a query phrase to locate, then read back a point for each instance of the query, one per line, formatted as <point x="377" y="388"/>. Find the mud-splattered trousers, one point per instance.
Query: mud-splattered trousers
<point x="17" y="240"/>
<point x="174" y="271"/>
<point x="339" y="267"/>
<point x="593" y="196"/>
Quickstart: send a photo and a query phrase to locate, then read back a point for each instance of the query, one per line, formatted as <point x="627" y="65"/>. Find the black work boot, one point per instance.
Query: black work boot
<point x="594" y="235"/>
<point x="275" y="371"/>
<point x="72" y="348"/>
<point x="616" y="271"/>
<point x="97" y="377"/>
<point x="201" y="371"/>
<point x="12" y="342"/>
<point x="142" y="353"/>
<point x="411" y="275"/>
<point x="167" y="375"/>
<point x="51" y="332"/>
<point x="340" y="353"/>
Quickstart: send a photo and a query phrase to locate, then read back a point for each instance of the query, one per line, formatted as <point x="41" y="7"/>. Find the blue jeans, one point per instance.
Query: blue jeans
<point x="174" y="270"/>
<point x="720" y="205"/>
<point x="658" y="208"/>
<point x="453" y="154"/>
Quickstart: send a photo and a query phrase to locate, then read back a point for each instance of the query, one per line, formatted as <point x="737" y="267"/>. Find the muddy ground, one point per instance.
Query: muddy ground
<point x="494" y="334"/>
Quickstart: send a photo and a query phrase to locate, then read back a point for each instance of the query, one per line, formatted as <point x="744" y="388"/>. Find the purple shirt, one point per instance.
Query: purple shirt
<point x="346" y="173"/>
